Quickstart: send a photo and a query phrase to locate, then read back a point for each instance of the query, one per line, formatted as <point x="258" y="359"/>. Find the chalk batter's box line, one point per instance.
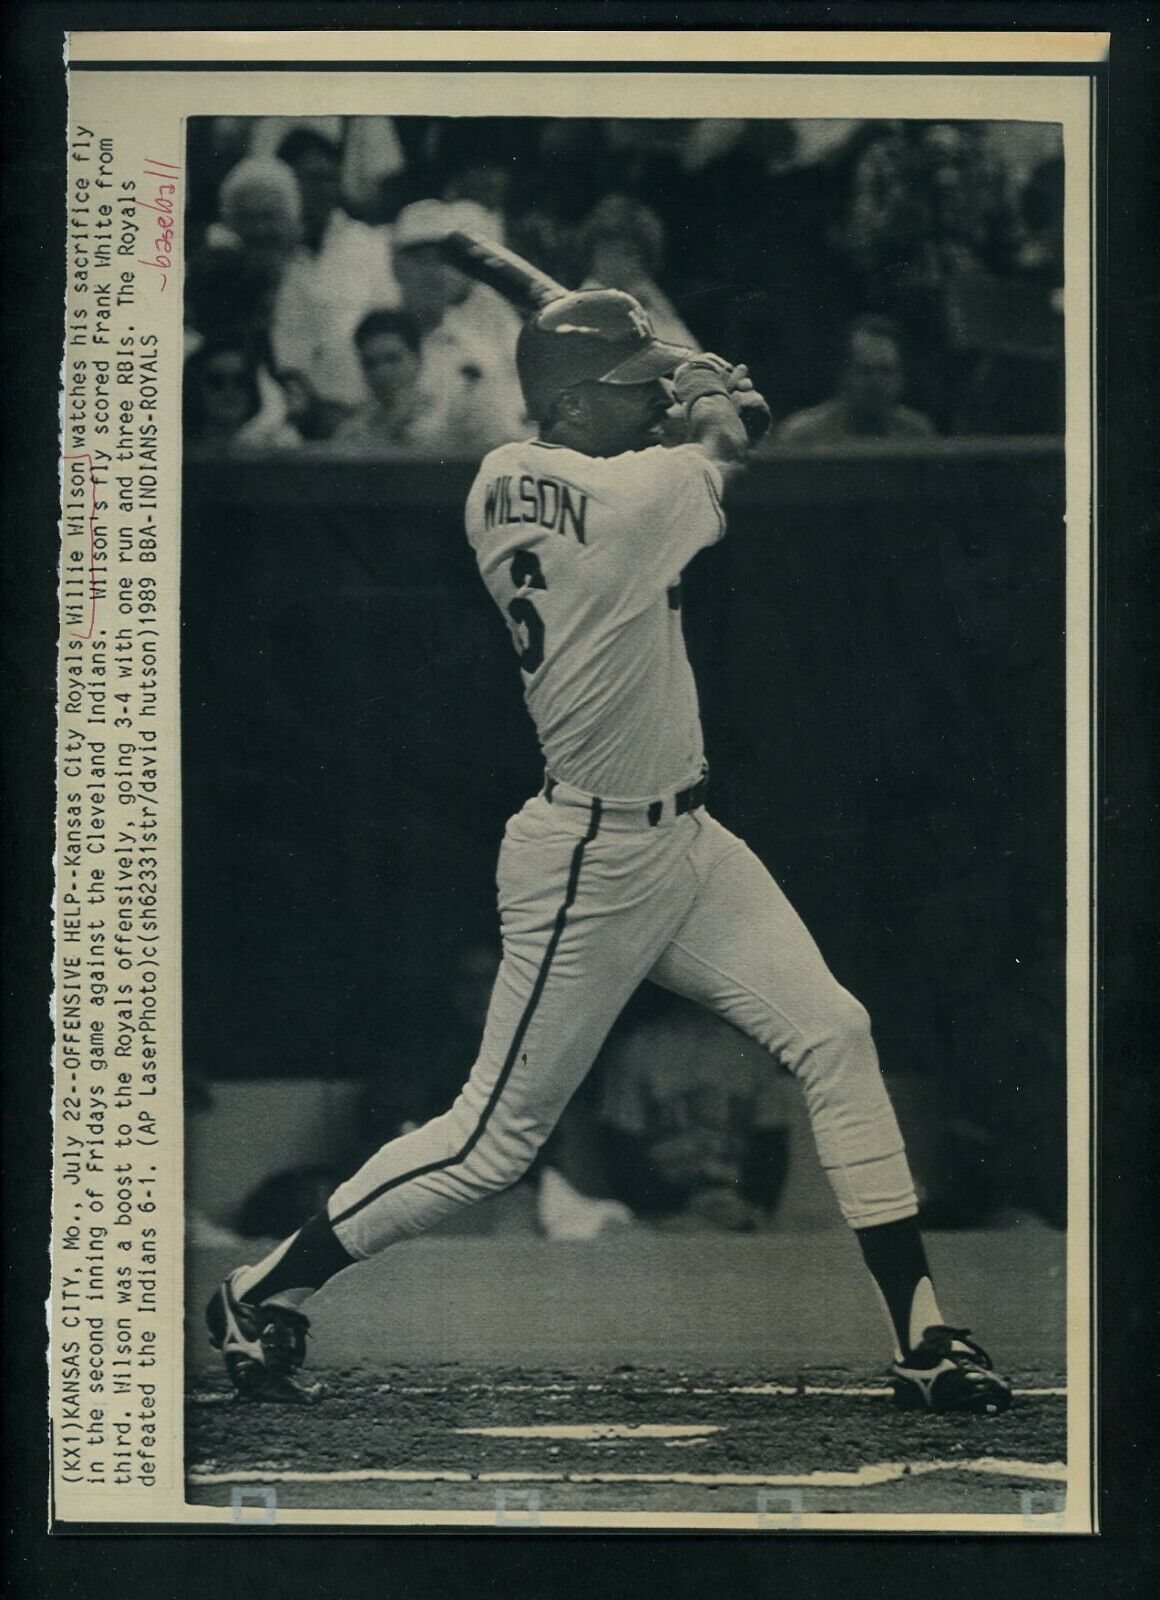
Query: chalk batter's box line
<point x="810" y="1391"/>
<point x="864" y="1477"/>
<point x="86" y="455"/>
<point x="813" y="1391"/>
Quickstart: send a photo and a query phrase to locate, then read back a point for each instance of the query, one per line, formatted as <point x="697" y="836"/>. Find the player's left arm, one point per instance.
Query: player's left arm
<point x="677" y="492"/>
<point x="724" y="414"/>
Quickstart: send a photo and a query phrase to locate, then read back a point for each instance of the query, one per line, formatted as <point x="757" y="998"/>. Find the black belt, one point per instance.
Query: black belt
<point x="685" y="800"/>
<point x="690" y="799"/>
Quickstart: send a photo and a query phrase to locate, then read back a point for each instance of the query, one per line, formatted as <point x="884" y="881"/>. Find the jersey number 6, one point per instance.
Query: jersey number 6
<point x="528" y="625"/>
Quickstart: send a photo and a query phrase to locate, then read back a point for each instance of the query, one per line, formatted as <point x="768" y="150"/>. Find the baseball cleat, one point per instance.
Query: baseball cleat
<point x="948" y="1371"/>
<point x="263" y="1347"/>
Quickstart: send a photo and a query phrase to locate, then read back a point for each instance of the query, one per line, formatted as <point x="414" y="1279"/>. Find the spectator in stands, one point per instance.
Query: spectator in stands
<point x="233" y="279"/>
<point x="773" y="187"/>
<point x="1041" y="212"/>
<point x="486" y="182"/>
<point x="621" y="245"/>
<point x="233" y="285"/>
<point x="866" y="405"/>
<point x="482" y="159"/>
<point x="574" y="161"/>
<point x="467" y="381"/>
<point x="1021" y="147"/>
<point x="370" y="152"/>
<point x="1011" y="328"/>
<point x="340" y="271"/>
<point x="388" y="350"/>
<point x="222" y="403"/>
<point x="928" y="200"/>
<point x="690" y="1111"/>
<point x="930" y="209"/>
<point x="262" y="209"/>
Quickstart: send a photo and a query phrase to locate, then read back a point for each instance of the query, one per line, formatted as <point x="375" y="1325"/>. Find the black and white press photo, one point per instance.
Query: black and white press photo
<point x="695" y="1142"/>
<point x="620" y="797"/>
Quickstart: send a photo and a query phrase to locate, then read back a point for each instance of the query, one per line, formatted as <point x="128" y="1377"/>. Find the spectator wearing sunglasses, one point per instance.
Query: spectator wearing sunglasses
<point x="224" y="408"/>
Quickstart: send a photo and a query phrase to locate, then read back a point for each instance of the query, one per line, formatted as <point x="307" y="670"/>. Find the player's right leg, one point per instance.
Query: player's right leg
<point x="584" y="910"/>
<point x="744" y="952"/>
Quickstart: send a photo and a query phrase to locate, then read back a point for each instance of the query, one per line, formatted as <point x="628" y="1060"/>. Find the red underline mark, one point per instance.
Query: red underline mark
<point x="87" y="456"/>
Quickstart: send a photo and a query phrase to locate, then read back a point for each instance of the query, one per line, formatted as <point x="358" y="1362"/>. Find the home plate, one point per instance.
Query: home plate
<point x="600" y="1430"/>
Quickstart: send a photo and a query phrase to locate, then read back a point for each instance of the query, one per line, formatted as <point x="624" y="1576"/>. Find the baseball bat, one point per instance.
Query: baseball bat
<point x="523" y="286"/>
<point x="528" y="289"/>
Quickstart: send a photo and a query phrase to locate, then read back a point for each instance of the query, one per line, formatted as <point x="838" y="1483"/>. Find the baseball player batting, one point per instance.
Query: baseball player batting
<point x="616" y="872"/>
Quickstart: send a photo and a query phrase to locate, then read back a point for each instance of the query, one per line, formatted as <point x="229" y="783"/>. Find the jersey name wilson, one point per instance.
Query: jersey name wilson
<point x="548" y="502"/>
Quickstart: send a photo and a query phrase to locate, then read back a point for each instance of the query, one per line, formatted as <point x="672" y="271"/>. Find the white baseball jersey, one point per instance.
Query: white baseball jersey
<point x="583" y="555"/>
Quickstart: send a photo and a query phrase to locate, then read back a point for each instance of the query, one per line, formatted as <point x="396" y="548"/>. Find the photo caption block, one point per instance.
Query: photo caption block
<point x="115" y="1309"/>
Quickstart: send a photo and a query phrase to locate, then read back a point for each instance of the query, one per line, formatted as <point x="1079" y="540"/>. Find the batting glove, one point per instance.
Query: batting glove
<point x="699" y="376"/>
<point x="712" y="374"/>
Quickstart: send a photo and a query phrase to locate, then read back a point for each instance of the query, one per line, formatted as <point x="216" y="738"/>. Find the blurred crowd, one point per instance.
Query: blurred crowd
<point x="883" y="280"/>
<point x="893" y="279"/>
<point x="682" y="1125"/>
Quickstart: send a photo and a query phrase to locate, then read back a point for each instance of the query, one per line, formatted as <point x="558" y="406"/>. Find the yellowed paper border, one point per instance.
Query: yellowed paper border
<point x="478" y="45"/>
<point x="119" y="826"/>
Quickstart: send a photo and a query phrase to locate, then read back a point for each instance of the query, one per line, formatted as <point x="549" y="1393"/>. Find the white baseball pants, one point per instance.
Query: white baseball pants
<point x="593" y="900"/>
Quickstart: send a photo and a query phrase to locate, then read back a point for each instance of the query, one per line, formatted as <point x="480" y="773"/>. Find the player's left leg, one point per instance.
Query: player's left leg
<point x="586" y="902"/>
<point x="744" y="952"/>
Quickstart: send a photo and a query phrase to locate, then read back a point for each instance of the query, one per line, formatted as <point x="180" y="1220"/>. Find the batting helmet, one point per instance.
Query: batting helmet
<point x="592" y="335"/>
